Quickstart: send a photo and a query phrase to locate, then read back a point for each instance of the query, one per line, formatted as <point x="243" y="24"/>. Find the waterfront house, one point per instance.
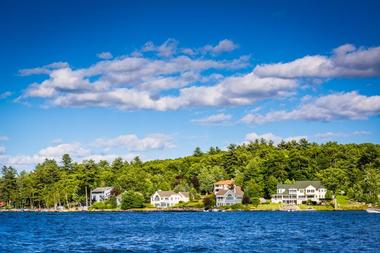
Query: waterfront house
<point x="101" y="193"/>
<point x="299" y="192"/>
<point x="164" y="199"/>
<point x="227" y="193"/>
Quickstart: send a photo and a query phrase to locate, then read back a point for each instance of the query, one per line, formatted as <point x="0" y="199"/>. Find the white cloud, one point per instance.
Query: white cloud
<point x="251" y="137"/>
<point x="27" y="162"/>
<point x="223" y="46"/>
<point x="239" y="90"/>
<point x="173" y="80"/>
<point x="346" y="61"/>
<point x="6" y="94"/>
<point x="100" y="149"/>
<point x="104" y="55"/>
<point x="133" y="143"/>
<point x="130" y="83"/>
<point x="74" y="149"/>
<point x="60" y="81"/>
<point x="350" y="105"/>
<point x="21" y="161"/>
<point x="166" y="49"/>
<point x="213" y="119"/>
<point x="46" y="69"/>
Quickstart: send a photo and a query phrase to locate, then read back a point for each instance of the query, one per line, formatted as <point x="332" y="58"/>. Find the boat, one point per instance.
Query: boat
<point x="373" y="210"/>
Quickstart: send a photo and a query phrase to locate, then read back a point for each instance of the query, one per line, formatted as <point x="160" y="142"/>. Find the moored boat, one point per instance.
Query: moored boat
<point x="373" y="210"/>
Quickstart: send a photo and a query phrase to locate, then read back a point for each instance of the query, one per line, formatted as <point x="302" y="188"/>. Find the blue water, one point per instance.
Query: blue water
<point x="190" y="232"/>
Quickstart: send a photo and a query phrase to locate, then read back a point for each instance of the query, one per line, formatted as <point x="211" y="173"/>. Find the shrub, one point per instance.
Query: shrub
<point x="237" y="207"/>
<point x="246" y="199"/>
<point x="101" y="205"/>
<point x="255" y="201"/>
<point x="329" y="195"/>
<point x="131" y="199"/>
<point x="209" y="201"/>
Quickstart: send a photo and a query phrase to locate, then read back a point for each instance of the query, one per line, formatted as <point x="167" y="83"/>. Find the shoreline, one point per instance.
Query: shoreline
<point x="176" y="210"/>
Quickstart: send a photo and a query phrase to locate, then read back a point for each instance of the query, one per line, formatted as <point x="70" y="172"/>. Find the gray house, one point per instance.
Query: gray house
<point x="227" y="193"/>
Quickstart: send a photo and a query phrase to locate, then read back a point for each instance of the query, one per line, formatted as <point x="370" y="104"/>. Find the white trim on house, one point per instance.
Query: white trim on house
<point x="299" y="192"/>
<point x="101" y="193"/>
<point x="164" y="199"/>
<point x="227" y="193"/>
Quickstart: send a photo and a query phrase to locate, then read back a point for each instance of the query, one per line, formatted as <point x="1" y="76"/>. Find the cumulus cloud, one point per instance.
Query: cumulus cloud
<point x="251" y="137"/>
<point x="27" y="162"/>
<point x="345" y="61"/>
<point x="75" y="149"/>
<point x="133" y="143"/>
<point x="213" y="119"/>
<point x="137" y="82"/>
<point x="100" y="149"/>
<point x="176" y="78"/>
<point x="104" y="55"/>
<point x="349" y="105"/>
<point x="46" y="69"/>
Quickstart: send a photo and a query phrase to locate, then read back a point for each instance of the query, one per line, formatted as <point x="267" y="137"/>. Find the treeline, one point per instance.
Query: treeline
<point x="349" y="169"/>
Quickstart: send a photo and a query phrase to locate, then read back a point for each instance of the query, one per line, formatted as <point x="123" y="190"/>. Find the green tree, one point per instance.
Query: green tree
<point x="8" y="191"/>
<point x="197" y="152"/>
<point x="334" y="179"/>
<point x="132" y="199"/>
<point x="67" y="162"/>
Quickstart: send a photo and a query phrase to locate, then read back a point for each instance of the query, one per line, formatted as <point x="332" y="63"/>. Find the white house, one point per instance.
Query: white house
<point x="168" y="198"/>
<point x="101" y="193"/>
<point x="227" y="193"/>
<point x="299" y="192"/>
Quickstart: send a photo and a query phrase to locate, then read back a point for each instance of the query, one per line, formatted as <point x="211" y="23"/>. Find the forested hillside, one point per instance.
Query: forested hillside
<point x="351" y="169"/>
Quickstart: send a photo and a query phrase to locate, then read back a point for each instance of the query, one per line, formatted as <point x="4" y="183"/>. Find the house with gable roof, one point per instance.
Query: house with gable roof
<point x="299" y="192"/>
<point x="163" y="199"/>
<point x="101" y="193"/>
<point x="227" y="193"/>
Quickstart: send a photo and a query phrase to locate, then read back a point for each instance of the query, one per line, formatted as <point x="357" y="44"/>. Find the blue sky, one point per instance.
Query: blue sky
<point x="103" y="79"/>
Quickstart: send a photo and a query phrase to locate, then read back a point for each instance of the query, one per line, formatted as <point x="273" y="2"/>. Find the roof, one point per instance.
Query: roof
<point x="101" y="189"/>
<point x="237" y="190"/>
<point x="228" y="181"/>
<point x="165" y="193"/>
<point x="300" y="185"/>
<point x="221" y="192"/>
<point x="185" y="194"/>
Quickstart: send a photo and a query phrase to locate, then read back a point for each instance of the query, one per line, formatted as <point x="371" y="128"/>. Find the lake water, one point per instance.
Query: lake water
<point x="190" y="232"/>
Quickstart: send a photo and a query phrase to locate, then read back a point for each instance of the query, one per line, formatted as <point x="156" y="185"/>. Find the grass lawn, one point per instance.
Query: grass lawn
<point x="345" y="204"/>
<point x="269" y="206"/>
<point x="316" y="207"/>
